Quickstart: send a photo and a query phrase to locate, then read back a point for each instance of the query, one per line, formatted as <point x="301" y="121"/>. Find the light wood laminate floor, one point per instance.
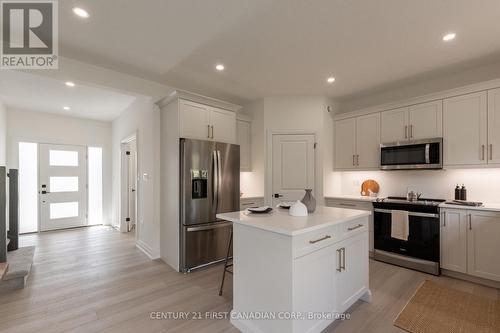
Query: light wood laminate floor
<point x="95" y="280"/>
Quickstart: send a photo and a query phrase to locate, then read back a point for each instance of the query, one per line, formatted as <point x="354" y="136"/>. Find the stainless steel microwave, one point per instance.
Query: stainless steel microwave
<point x="417" y="154"/>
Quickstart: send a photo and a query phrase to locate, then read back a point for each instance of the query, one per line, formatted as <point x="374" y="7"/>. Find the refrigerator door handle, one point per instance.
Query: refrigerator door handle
<point x="215" y="182"/>
<point x="219" y="179"/>
<point x="209" y="227"/>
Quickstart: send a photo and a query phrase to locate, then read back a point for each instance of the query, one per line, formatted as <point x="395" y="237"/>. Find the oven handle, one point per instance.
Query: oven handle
<point x="427" y="154"/>
<point x="388" y="211"/>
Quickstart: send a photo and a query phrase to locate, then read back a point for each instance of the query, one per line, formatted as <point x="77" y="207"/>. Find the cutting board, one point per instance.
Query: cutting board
<point x="371" y="185"/>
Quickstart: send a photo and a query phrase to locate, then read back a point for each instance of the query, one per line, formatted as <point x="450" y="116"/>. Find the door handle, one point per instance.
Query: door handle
<point x="212" y="131"/>
<point x="339" y="252"/>
<point x="470" y="221"/>
<point x="411" y="131"/>
<point x="219" y="178"/>
<point x="482" y="152"/>
<point x="343" y="259"/>
<point x="208" y="131"/>
<point x="277" y="195"/>
<point x="444" y="219"/>
<point x="45" y="192"/>
<point x="215" y="181"/>
<point x="491" y="152"/>
<point x="406" y="131"/>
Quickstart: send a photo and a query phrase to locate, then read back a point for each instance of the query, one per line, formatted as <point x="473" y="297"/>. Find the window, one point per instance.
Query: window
<point x="62" y="210"/>
<point x="63" y="184"/>
<point x="28" y="187"/>
<point x="63" y="158"/>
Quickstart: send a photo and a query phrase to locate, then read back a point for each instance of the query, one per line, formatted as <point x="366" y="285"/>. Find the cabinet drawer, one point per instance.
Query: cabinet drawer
<point x="314" y="240"/>
<point x="251" y="202"/>
<point x="350" y="204"/>
<point x="349" y="229"/>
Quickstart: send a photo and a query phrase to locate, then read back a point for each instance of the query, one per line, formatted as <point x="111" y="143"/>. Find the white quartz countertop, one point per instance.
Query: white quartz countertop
<point x="351" y="197"/>
<point x="281" y="222"/>
<point x="493" y="207"/>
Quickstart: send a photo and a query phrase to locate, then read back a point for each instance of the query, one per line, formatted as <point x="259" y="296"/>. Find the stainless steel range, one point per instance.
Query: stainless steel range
<point x="421" y="250"/>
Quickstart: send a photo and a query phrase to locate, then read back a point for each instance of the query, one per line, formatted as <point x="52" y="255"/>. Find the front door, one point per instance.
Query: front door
<point x="293" y="165"/>
<point x="62" y="186"/>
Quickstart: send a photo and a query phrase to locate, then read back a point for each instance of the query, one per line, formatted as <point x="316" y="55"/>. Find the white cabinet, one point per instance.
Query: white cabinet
<point x="243" y="135"/>
<point x="454" y="240"/>
<point x="357" y="142"/>
<point x="425" y="120"/>
<point x="469" y="242"/>
<point x="202" y="122"/>
<point x="465" y="129"/>
<point x="494" y="126"/>
<point x="482" y="245"/>
<point x="420" y="121"/>
<point x="351" y="271"/>
<point x="394" y="125"/>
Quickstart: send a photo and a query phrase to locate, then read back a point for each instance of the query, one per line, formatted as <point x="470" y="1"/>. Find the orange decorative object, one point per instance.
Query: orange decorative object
<point x="369" y="186"/>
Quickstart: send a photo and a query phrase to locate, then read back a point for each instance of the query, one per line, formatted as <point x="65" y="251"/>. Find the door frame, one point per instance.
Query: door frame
<point x="268" y="176"/>
<point x="123" y="179"/>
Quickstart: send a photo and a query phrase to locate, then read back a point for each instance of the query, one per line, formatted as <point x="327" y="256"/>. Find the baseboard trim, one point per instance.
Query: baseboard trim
<point x="470" y="278"/>
<point x="145" y="248"/>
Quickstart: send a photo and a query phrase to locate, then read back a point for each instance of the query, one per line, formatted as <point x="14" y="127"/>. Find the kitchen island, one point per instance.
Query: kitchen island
<point x="297" y="274"/>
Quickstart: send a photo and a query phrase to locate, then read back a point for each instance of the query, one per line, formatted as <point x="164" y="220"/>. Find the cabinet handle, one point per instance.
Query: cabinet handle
<point x="212" y="131"/>
<point x="482" y="152"/>
<point x="343" y="259"/>
<point x="444" y="219"/>
<point x="320" y="239"/>
<point x="411" y="131"/>
<point x="470" y="221"/>
<point x="406" y="131"/>
<point x="354" y="228"/>
<point x="491" y="152"/>
<point x="339" y="252"/>
<point x="353" y="159"/>
<point x="346" y="204"/>
<point x="208" y="129"/>
<point x="357" y="160"/>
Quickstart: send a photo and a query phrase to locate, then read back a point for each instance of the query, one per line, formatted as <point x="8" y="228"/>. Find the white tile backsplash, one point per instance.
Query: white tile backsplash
<point x="482" y="184"/>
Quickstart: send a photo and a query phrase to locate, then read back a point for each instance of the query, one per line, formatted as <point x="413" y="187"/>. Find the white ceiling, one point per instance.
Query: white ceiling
<point x="280" y="47"/>
<point x="26" y="91"/>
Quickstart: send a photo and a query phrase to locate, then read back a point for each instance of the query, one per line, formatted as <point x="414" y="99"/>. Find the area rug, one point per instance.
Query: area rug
<point x="438" y="309"/>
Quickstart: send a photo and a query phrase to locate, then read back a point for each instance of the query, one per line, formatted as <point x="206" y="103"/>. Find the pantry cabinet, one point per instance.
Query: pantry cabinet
<point x="469" y="242"/>
<point x="357" y="142"/>
<point x="465" y="129"/>
<point x="202" y="122"/>
<point x="243" y="135"/>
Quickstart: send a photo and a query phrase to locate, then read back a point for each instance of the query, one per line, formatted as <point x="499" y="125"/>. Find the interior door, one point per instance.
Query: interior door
<point x="345" y="143"/>
<point x="293" y="166"/>
<point x="62" y="186"/>
<point x="394" y="124"/>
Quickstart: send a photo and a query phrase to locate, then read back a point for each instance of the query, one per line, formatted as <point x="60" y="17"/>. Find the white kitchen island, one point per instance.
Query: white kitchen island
<point x="297" y="274"/>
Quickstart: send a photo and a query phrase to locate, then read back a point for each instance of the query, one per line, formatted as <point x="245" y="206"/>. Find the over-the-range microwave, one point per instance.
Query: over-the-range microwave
<point x="416" y="154"/>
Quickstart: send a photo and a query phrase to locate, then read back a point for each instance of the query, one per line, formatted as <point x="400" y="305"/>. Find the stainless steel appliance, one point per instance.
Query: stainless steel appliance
<point x="209" y="184"/>
<point x="417" y="154"/>
<point x="421" y="250"/>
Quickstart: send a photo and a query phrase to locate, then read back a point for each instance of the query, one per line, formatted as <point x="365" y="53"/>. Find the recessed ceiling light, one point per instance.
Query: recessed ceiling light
<point x="448" y="37"/>
<point x="70" y="84"/>
<point x="67" y="108"/>
<point x="330" y="80"/>
<point x="219" y="67"/>
<point x="81" y="12"/>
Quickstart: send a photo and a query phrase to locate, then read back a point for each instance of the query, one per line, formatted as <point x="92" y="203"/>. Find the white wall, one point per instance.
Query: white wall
<point x="31" y="126"/>
<point x="3" y="134"/>
<point x="142" y="117"/>
<point x="481" y="184"/>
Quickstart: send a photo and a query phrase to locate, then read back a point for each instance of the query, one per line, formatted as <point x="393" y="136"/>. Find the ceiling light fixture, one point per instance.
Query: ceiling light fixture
<point x="330" y="80"/>
<point x="70" y="84"/>
<point x="448" y="37"/>
<point x="219" y="67"/>
<point x="81" y="12"/>
<point x="67" y="108"/>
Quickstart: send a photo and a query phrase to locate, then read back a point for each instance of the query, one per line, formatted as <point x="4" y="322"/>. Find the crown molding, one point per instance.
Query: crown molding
<point x="193" y="97"/>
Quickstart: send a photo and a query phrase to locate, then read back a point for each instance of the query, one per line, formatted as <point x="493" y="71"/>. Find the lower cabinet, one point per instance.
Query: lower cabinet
<point x="469" y="242"/>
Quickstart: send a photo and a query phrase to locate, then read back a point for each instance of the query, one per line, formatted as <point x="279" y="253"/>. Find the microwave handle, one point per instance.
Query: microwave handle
<point x="427" y="154"/>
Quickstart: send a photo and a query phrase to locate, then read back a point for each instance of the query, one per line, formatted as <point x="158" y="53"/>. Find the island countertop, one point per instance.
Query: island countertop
<point x="279" y="221"/>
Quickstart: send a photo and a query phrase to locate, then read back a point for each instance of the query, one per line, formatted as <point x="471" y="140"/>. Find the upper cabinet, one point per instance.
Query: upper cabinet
<point x="465" y="129"/>
<point x="243" y="134"/>
<point x="421" y="121"/>
<point x="494" y="126"/>
<point x="199" y="121"/>
<point x="357" y="142"/>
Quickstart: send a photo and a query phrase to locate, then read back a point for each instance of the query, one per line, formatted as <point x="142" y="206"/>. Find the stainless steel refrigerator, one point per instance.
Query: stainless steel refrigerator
<point x="209" y="184"/>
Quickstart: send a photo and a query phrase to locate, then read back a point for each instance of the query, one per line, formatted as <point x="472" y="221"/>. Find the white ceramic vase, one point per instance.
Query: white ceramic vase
<point x="298" y="209"/>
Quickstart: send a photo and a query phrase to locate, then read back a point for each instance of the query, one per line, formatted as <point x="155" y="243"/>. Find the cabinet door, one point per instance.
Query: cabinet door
<point x="494" y="126"/>
<point x="368" y="141"/>
<point x="465" y="129"/>
<point x="313" y="285"/>
<point x="224" y="125"/>
<point x="352" y="281"/>
<point x="394" y="125"/>
<point x="194" y="120"/>
<point x="426" y="120"/>
<point x="482" y="245"/>
<point x="345" y="143"/>
<point x="454" y="240"/>
<point x="243" y="139"/>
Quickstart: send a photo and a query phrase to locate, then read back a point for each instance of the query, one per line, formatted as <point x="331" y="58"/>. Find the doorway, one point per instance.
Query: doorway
<point x="292" y="166"/>
<point x="129" y="185"/>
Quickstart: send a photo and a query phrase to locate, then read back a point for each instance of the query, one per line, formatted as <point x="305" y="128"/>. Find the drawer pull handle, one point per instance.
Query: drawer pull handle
<point x="354" y="228"/>
<point x="320" y="239"/>
<point x="347" y="205"/>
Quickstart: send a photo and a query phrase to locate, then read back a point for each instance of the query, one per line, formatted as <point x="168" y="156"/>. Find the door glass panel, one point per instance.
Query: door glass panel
<point x="95" y="185"/>
<point x="63" y="184"/>
<point x="63" y="158"/>
<point x="63" y="210"/>
<point x="28" y="187"/>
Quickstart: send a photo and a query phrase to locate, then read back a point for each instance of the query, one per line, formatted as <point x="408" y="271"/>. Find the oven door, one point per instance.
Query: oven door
<point x="423" y="239"/>
<point x="421" y="154"/>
